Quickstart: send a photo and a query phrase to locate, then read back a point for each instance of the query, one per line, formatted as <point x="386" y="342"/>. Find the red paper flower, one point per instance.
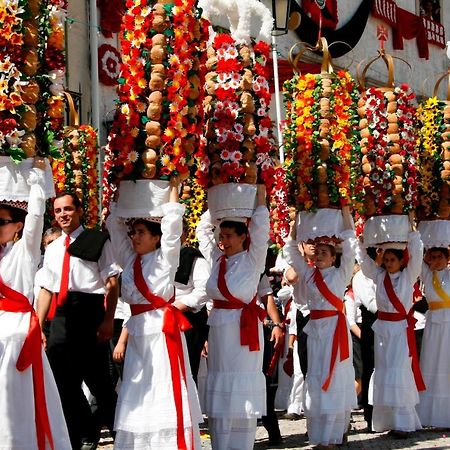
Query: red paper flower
<point x="108" y="65"/>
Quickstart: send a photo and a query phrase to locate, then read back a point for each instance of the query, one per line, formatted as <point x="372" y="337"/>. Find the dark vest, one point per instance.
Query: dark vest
<point x="89" y="245"/>
<point x="187" y="259"/>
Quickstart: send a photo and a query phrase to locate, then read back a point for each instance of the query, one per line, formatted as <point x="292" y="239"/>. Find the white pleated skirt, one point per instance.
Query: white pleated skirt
<point x="235" y="384"/>
<point x="327" y="412"/>
<point x="145" y="414"/>
<point x="392" y="391"/>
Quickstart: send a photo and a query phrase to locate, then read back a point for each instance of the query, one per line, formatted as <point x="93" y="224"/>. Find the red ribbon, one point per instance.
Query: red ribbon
<point x="411" y="321"/>
<point x="174" y="322"/>
<point x="30" y="355"/>
<point x="64" y="286"/>
<point x="340" y="338"/>
<point x="279" y="351"/>
<point x="250" y="315"/>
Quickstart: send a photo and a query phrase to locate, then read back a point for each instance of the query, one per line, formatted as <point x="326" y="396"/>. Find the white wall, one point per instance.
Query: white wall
<point x="78" y="75"/>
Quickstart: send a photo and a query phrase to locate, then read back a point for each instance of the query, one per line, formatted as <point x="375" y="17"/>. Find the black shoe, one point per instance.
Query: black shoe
<point x="396" y="434"/>
<point x="273" y="441"/>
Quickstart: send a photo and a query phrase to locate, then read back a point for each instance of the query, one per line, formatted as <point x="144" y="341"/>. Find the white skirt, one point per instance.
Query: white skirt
<point x="392" y="391"/>
<point x="327" y="412"/>
<point x="235" y="384"/>
<point x="434" y="406"/>
<point x="17" y="423"/>
<point x="145" y="413"/>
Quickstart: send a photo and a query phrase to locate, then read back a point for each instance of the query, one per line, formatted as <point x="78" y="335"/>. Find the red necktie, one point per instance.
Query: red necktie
<point x="64" y="286"/>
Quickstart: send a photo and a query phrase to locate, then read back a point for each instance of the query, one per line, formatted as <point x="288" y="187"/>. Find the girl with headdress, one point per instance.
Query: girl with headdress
<point x="235" y="385"/>
<point x="329" y="383"/>
<point x="396" y="379"/>
<point x="434" y="407"/>
<point x="157" y="405"/>
<point x="30" y="408"/>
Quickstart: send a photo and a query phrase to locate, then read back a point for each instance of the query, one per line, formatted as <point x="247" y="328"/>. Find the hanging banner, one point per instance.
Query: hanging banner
<point x="406" y="25"/>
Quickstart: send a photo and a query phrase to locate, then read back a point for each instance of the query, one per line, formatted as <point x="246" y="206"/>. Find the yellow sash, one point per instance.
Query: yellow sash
<point x="445" y="303"/>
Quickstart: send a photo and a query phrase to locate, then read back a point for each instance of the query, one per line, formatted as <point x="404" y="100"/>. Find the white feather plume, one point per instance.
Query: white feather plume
<point x="238" y="14"/>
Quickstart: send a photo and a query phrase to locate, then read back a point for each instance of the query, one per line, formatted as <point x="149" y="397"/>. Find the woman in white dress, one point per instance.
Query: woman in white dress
<point x="329" y="384"/>
<point x="235" y="385"/>
<point x="158" y="405"/>
<point x="393" y="388"/>
<point x="30" y="408"/>
<point x="434" y="406"/>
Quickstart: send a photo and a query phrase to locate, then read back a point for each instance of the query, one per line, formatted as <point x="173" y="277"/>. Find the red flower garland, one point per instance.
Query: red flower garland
<point x="162" y="46"/>
<point x="239" y="140"/>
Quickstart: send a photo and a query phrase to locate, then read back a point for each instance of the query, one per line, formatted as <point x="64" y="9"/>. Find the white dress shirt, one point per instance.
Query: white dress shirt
<point x="364" y="290"/>
<point x="352" y="310"/>
<point x="85" y="276"/>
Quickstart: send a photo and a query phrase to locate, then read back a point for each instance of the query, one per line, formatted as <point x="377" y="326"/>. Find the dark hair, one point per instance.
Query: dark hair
<point x="17" y="215"/>
<point x="395" y="251"/>
<point x="372" y="252"/>
<point x="239" y="227"/>
<point x="154" y="228"/>
<point x="75" y="199"/>
<point x="443" y="250"/>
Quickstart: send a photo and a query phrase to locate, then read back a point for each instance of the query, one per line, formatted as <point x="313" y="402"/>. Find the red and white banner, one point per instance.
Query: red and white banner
<point x="406" y="25"/>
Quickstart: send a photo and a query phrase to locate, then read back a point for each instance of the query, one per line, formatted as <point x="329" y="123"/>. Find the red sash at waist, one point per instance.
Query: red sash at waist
<point x="411" y="321"/>
<point x="315" y="314"/>
<point x="391" y="316"/>
<point x="30" y="355"/>
<point x="141" y="308"/>
<point x="401" y="314"/>
<point x="250" y="315"/>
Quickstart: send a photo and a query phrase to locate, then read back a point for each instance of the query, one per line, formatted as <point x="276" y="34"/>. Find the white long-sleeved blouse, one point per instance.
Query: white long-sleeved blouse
<point x="158" y="267"/>
<point x="243" y="269"/>
<point x="402" y="281"/>
<point x="337" y="279"/>
<point x="364" y="290"/>
<point x="193" y="294"/>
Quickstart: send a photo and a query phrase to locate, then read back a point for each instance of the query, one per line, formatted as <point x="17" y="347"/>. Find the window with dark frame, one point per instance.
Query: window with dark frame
<point x="431" y="9"/>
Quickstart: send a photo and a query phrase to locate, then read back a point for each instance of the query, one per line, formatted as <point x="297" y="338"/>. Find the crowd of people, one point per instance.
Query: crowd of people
<point x="314" y="333"/>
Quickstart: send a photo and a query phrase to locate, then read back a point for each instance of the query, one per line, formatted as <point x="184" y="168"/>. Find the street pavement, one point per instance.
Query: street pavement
<point x="294" y="438"/>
